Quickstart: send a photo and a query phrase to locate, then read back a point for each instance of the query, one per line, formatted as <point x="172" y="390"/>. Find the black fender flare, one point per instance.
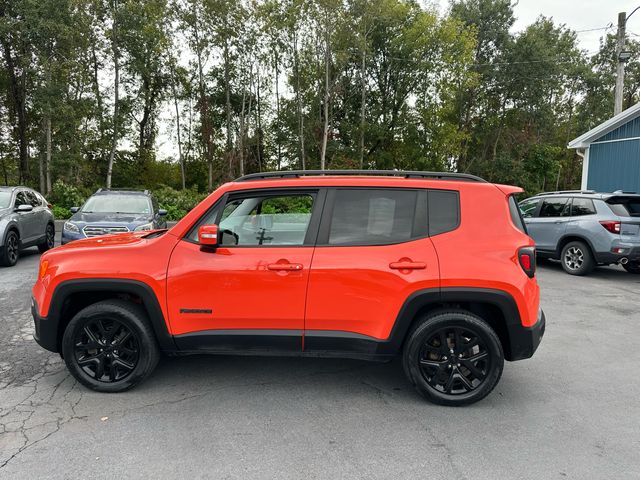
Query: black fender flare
<point x="50" y="338"/>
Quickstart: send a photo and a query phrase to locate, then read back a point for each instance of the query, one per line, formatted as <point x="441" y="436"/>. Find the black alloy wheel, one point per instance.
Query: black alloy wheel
<point x="453" y="357"/>
<point x="49" y="239"/>
<point x="11" y="250"/>
<point x="454" y="360"/>
<point x="106" y="349"/>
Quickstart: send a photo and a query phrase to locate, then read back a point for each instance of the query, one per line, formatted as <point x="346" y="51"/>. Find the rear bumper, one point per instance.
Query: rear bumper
<point x="46" y="329"/>
<point x="630" y="252"/>
<point x="524" y="341"/>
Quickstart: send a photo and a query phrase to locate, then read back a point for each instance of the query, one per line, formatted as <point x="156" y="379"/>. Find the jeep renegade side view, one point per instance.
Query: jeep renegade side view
<point x="435" y="267"/>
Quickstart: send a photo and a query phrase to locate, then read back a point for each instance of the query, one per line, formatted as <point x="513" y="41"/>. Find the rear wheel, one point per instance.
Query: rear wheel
<point x="49" y="240"/>
<point x="577" y="259"/>
<point x="632" y="267"/>
<point x="109" y="346"/>
<point x="453" y="358"/>
<point x="10" y="251"/>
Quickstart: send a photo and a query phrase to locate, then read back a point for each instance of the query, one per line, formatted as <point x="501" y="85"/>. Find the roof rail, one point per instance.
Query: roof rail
<point x="379" y="173"/>
<point x="560" y="192"/>
<point x="103" y="189"/>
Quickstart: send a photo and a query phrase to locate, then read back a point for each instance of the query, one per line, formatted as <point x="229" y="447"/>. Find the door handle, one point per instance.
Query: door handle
<point x="287" y="267"/>
<point x="406" y="265"/>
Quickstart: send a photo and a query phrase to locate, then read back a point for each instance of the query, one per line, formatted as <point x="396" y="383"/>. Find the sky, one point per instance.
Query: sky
<point x="578" y="15"/>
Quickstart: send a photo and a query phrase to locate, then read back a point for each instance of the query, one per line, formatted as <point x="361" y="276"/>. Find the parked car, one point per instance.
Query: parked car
<point x="583" y="229"/>
<point x="114" y="211"/>
<point x="25" y="220"/>
<point x="434" y="267"/>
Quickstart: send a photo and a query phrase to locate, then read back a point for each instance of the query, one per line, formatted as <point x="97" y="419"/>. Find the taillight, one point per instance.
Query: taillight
<point x="49" y="206"/>
<point x="612" y="225"/>
<point x="527" y="259"/>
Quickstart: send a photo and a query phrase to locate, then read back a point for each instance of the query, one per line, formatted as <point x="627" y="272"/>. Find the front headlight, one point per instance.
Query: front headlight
<point x="146" y="226"/>
<point x="71" y="227"/>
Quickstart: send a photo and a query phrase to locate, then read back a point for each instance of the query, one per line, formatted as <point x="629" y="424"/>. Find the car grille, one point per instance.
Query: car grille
<point x="96" y="230"/>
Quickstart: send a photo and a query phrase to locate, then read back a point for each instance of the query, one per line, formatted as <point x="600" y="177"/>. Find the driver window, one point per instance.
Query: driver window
<point x="21" y="199"/>
<point x="273" y="220"/>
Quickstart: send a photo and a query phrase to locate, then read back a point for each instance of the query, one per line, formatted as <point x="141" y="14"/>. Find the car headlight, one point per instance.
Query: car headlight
<point x="71" y="227"/>
<point x="146" y="226"/>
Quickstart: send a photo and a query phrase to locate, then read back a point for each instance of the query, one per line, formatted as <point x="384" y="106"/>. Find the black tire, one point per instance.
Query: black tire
<point x="576" y="258"/>
<point x="10" y="251"/>
<point x="447" y="374"/>
<point x="101" y="355"/>
<point x="632" y="267"/>
<point x="49" y="238"/>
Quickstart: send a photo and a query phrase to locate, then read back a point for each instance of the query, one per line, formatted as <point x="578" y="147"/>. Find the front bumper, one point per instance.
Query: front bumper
<point x="68" y="236"/>
<point x="524" y="341"/>
<point x="46" y="330"/>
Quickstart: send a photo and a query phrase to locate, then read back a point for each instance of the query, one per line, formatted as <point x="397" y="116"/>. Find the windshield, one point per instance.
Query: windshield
<point x="137" y="204"/>
<point x="5" y="199"/>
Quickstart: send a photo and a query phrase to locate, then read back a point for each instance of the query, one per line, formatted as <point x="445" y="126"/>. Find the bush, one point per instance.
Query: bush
<point x="61" y="213"/>
<point x="177" y="203"/>
<point x="66" y="196"/>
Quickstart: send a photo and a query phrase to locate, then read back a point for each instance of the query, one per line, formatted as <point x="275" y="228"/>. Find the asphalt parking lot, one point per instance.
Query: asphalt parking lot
<point x="573" y="411"/>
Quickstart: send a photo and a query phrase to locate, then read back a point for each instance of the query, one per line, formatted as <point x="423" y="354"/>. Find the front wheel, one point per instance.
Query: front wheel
<point x="11" y="250"/>
<point x="577" y="259"/>
<point x="109" y="346"/>
<point x="632" y="267"/>
<point x="453" y="358"/>
<point x="49" y="239"/>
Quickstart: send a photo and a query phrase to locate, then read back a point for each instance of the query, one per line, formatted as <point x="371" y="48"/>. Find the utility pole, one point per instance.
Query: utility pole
<point x="622" y="23"/>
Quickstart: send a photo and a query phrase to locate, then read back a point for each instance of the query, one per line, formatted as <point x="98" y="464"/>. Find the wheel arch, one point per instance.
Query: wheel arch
<point x="11" y="226"/>
<point x="72" y="296"/>
<point x="572" y="237"/>
<point x="496" y="307"/>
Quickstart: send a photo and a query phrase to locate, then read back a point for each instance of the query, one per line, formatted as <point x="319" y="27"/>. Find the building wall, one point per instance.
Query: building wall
<point x="615" y="165"/>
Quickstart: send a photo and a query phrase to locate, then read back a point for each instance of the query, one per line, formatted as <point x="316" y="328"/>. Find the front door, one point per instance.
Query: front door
<point x="373" y="252"/>
<point x="28" y="220"/>
<point x="250" y="292"/>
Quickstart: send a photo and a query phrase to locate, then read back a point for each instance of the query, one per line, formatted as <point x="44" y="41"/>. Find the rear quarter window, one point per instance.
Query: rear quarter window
<point x="516" y="216"/>
<point x="444" y="211"/>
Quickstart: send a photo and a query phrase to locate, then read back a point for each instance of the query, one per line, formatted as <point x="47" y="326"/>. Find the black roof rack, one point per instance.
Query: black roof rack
<point x="562" y="192"/>
<point x="378" y="173"/>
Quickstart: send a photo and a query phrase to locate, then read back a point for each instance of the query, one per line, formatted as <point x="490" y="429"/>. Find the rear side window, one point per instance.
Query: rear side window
<point x="555" y="207"/>
<point x="444" y="211"/>
<point x="625" y="207"/>
<point x="516" y="217"/>
<point x="372" y="217"/>
<point x="581" y="207"/>
<point x="529" y="207"/>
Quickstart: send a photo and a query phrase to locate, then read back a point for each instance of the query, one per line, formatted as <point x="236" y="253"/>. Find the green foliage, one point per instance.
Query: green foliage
<point x="177" y="203"/>
<point x="61" y="213"/>
<point x="65" y="196"/>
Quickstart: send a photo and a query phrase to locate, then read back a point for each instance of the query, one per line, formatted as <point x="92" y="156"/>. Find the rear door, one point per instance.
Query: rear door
<point x="549" y="223"/>
<point x="373" y="251"/>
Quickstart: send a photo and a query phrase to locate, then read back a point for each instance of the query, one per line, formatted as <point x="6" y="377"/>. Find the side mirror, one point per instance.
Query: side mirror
<point x="74" y="209"/>
<point x="24" y="208"/>
<point x="208" y="236"/>
<point x="162" y="212"/>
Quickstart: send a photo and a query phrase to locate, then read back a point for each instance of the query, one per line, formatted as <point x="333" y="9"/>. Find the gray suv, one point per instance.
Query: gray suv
<point x="583" y="229"/>
<point x="25" y="220"/>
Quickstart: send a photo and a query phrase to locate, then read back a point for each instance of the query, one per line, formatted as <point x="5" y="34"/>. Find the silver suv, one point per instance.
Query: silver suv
<point x="25" y="220"/>
<point x="584" y="228"/>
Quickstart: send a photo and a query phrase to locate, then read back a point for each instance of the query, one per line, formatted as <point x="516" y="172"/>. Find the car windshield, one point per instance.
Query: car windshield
<point x="5" y="199"/>
<point x="118" y="204"/>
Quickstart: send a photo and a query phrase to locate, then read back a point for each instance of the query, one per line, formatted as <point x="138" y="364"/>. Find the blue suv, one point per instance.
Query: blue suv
<point x="114" y="211"/>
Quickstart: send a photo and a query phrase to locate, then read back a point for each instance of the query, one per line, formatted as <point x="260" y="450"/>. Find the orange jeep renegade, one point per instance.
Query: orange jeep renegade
<point x="435" y="267"/>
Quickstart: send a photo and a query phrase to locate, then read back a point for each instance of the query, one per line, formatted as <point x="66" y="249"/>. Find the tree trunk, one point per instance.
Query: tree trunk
<point x="47" y="162"/>
<point x="227" y="92"/>
<point x="277" y="68"/>
<point x="259" y="122"/>
<point x="299" y="100"/>
<point x="362" y="103"/>
<point x="116" y="93"/>
<point x="325" y="132"/>
<point x="175" y="103"/>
